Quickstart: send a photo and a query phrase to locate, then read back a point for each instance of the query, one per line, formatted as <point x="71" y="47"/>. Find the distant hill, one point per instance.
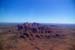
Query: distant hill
<point x="48" y="24"/>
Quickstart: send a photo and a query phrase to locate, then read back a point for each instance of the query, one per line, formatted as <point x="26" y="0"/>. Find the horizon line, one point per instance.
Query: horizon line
<point x="38" y="22"/>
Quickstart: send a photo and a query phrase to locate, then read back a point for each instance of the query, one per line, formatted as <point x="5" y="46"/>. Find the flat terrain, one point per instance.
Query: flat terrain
<point x="59" y="37"/>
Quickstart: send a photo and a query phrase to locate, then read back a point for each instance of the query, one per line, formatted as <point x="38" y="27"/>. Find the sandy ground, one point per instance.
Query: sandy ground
<point x="9" y="40"/>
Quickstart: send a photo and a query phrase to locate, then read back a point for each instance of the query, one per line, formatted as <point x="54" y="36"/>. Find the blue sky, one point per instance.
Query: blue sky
<point x="42" y="11"/>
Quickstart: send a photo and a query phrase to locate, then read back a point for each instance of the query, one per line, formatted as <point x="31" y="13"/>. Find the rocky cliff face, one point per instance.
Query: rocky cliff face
<point x="39" y="31"/>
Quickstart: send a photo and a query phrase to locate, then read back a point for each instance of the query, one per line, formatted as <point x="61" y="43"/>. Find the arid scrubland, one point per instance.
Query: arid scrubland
<point x="35" y="36"/>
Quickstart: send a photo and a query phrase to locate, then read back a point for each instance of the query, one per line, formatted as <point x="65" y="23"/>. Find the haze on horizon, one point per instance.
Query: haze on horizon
<point x="41" y="11"/>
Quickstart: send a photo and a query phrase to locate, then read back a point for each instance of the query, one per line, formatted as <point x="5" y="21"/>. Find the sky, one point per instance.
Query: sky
<point x="41" y="11"/>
